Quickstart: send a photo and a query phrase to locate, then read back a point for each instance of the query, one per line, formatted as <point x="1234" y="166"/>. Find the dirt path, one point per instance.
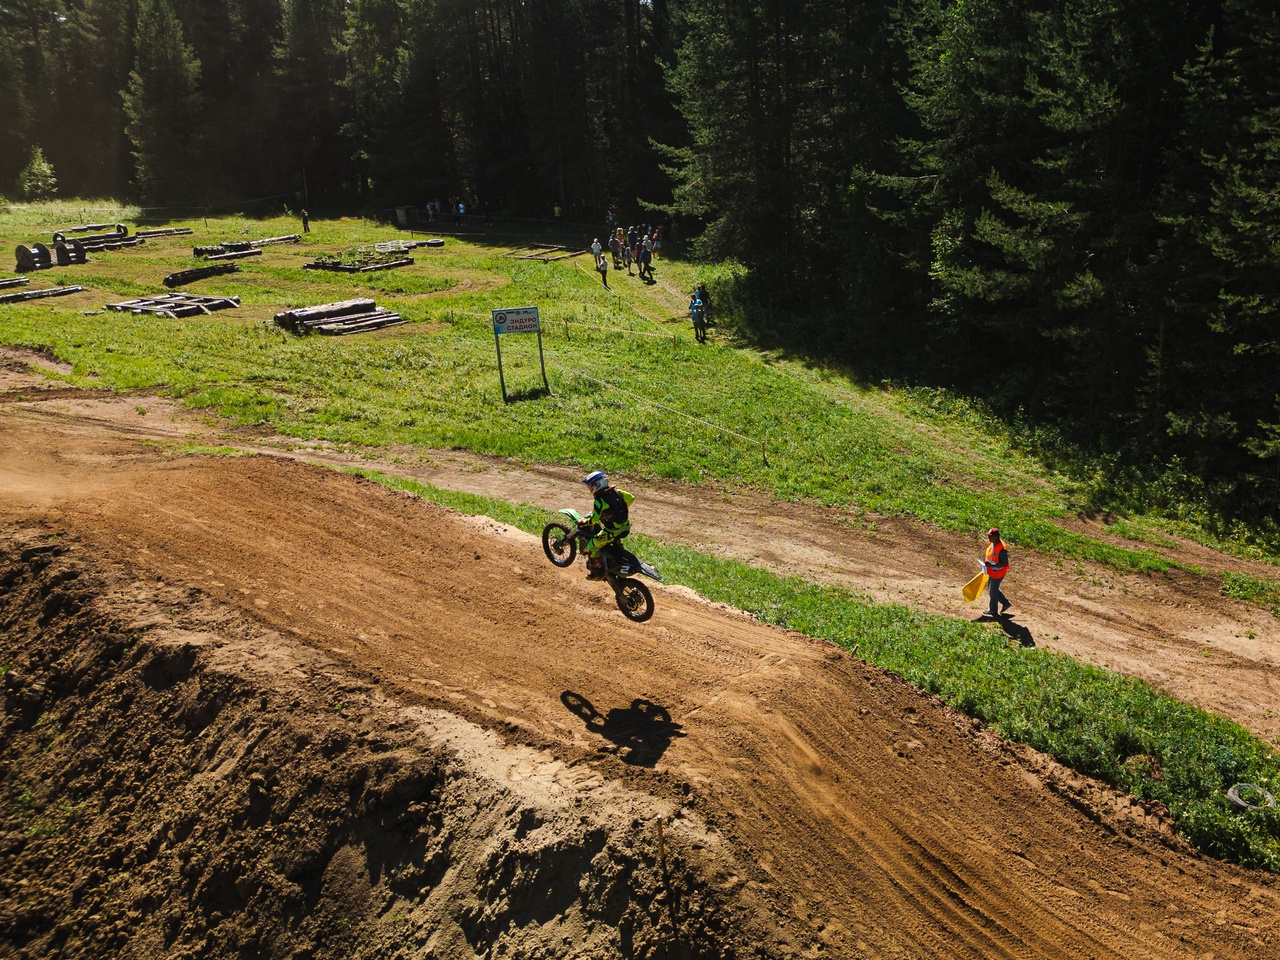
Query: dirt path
<point x="1175" y="629"/>
<point x="870" y="820"/>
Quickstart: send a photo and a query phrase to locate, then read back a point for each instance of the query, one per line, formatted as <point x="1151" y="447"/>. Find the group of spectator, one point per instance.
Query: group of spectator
<point x="459" y="210"/>
<point x="640" y="246"/>
<point x="630" y="246"/>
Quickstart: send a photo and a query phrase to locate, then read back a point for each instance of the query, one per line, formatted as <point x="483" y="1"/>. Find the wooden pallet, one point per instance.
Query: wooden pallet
<point x="176" y="304"/>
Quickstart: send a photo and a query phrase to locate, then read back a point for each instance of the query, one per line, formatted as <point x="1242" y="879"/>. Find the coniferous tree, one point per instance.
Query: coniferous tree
<point x="87" y="139"/>
<point x="782" y="101"/>
<point x="311" y="71"/>
<point x="162" y="103"/>
<point x="1214" y="375"/>
<point x="233" y="41"/>
<point x="15" y="145"/>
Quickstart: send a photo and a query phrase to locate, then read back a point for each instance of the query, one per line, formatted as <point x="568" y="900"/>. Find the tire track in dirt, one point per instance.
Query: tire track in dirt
<point x="878" y="822"/>
<point x="1175" y="630"/>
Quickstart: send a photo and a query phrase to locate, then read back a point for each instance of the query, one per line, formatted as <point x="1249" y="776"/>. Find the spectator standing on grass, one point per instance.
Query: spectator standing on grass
<point x="996" y="564"/>
<point x="615" y="251"/>
<point x="646" y="263"/>
<point x="697" y="312"/>
<point x="306" y="222"/>
<point x="657" y="242"/>
<point x="602" y="265"/>
<point x="701" y="294"/>
<point x="596" y="248"/>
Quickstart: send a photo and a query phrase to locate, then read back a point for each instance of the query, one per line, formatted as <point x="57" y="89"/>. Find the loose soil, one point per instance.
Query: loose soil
<point x="254" y="707"/>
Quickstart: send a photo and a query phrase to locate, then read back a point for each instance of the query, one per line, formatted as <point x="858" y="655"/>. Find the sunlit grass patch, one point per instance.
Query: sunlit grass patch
<point x="1257" y="590"/>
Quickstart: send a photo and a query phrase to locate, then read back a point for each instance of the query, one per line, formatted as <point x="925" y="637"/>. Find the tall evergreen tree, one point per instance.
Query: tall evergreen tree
<point x="312" y="71"/>
<point x="1214" y="374"/>
<point x="238" y="134"/>
<point x="162" y="103"/>
<point x="783" y="101"/>
<point x="87" y="136"/>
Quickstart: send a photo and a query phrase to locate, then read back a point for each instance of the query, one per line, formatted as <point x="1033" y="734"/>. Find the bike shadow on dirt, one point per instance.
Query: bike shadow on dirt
<point x="640" y="733"/>
<point x="1012" y="630"/>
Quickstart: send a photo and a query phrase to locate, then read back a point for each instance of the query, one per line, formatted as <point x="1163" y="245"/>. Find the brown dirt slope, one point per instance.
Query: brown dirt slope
<point x="258" y="708"/>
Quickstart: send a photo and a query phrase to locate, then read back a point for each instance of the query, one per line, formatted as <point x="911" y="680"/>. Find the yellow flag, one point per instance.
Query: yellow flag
<point x="973" y="589"/>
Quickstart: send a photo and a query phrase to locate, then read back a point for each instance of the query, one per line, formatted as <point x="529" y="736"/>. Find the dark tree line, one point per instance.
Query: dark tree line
<point x="1069" y="208"/>
<point x="373" y="102"/>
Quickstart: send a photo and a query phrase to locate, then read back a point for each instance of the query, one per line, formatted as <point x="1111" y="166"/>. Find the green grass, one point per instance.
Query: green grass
<point x="1114" y="728"/>
<point x="625" y="377"/>
<point x="1263" y="592"/>
<point x="630" y="390"/>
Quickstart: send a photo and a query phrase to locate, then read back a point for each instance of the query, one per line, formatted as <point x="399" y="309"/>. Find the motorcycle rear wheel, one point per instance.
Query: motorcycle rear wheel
<point x="634" y="600"/>
<point x="560" y="544"/>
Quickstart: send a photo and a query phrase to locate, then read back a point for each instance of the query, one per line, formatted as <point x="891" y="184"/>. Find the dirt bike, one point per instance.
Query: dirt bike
<point x="561" y="543"/>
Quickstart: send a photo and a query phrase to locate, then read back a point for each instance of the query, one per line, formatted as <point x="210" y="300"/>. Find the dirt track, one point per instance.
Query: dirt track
<point x="827" y="806"/>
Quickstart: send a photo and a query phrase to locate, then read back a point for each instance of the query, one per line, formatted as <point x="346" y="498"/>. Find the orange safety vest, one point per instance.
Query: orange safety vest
<point x="993" y="558"/>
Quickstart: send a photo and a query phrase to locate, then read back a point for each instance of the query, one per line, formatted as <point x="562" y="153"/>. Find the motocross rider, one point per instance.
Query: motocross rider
<point x="608" y="517"/>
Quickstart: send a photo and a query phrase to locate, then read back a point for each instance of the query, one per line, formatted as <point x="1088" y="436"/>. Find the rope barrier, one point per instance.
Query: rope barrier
<point x="634" y="309"/>
<point x="764" y="453"/>
<point x="762" y="443"/>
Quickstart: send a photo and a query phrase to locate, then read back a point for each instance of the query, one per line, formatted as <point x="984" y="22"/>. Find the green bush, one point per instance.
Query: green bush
<point x="36" y="181"/>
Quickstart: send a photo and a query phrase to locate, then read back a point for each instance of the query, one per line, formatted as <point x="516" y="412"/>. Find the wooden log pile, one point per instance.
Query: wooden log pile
<point x="176" y="304"/>
<point x="272" y="241"/>
<point x="33" y="258"/>
<point x="199" y="273"/>
<point x="234" y="255"/>
<point x="229" y="246"/>
<point x="110" y="239"/>
<point x="166" y="232"/>
<point x="357" y="267"/>
<point x="38" y="294"/>
<point x="335" y="319"/>
<point x="242" y="247"/>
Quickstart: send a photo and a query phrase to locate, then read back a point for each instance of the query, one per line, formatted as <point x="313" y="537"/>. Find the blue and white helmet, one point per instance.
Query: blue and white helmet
<point x="596" y="481"/>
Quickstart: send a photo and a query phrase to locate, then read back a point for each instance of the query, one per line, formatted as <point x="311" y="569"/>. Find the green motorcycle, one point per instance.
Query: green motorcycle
<point x="561" y="543"/>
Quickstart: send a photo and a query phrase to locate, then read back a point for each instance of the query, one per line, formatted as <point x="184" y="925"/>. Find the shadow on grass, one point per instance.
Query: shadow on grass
<point x="1012" y="630"/>
<point x="533" y="393"/>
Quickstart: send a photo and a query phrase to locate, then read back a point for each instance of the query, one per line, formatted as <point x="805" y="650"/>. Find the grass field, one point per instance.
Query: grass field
<point x="631" y="390"/>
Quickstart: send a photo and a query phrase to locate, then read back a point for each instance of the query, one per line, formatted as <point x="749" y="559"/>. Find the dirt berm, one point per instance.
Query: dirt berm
<point x="259" y="709"/>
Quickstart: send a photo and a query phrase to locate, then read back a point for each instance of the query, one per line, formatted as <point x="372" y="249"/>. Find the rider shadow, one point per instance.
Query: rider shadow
<point x="1014" y="631"/>
<point x="640" y="733"/>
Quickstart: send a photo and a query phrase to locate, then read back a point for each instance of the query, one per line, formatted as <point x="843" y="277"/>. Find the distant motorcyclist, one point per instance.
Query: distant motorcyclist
<point x="609" y="519"/>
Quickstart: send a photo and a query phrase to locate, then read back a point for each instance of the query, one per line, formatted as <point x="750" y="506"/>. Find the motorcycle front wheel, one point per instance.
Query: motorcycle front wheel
<point x="560" y="544"/>
<point x="634" y="600"/>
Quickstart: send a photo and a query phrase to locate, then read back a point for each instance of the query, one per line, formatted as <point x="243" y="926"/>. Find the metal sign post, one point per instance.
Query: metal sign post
<point x="517" y="320"/>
